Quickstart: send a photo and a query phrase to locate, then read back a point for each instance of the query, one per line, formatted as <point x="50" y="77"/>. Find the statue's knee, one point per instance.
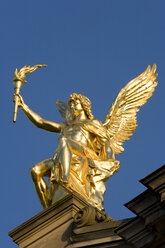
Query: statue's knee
<point x="34" y="171"/>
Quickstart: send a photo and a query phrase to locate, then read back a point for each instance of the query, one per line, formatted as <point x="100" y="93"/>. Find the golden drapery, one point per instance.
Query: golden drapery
<point x="89" y="171"/>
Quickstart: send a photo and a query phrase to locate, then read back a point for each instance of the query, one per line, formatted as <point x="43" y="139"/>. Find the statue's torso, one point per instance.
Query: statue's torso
<point x="76" y="132"/>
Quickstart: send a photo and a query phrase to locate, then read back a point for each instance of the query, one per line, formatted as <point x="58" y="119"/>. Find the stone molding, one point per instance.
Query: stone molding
<point x="148" y="228"/>
<point x="57" y="217"/>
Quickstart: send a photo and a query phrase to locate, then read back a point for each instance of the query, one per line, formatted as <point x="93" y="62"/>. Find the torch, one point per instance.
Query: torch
<point x="19" y="80"/>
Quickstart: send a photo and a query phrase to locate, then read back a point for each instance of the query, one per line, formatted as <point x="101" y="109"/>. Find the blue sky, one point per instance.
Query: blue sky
<point x="91" y="47"/>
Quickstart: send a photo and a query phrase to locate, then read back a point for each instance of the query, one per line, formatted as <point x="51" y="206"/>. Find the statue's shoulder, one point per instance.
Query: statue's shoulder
<point x="96" y="122"/>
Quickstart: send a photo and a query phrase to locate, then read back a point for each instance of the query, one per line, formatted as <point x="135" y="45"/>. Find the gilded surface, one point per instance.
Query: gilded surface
<point x="85" y="154"/>
<point x="18" y="81"/>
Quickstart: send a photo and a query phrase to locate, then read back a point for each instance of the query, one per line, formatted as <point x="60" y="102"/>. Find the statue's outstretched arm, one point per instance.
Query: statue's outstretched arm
<point x="38" y="121"/>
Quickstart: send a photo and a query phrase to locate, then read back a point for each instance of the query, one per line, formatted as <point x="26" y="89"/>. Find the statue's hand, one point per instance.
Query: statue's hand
<point x="20" y="100"/>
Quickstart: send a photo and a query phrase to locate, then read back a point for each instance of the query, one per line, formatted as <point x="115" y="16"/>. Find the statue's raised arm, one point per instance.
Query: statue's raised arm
<point x="37" y="120"/>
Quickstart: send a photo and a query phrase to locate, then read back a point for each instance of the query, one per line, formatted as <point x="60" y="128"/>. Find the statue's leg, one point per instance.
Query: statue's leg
<point x="67" y="147"/>
<point x="65" y="157"/>
<point x="37" y="172"/>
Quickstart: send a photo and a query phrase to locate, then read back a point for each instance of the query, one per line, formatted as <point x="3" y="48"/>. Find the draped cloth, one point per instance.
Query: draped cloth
<point x="89" y="171"/>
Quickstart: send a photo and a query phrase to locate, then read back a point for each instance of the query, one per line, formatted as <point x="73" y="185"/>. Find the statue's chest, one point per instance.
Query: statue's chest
<point x="71" y="129"/>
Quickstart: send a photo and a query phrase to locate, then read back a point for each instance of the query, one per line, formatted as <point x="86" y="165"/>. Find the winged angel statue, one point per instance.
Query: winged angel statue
<point x="85" y="155"/>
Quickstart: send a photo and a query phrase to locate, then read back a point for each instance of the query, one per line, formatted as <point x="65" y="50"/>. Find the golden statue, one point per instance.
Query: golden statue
<point x="85" y="155"/>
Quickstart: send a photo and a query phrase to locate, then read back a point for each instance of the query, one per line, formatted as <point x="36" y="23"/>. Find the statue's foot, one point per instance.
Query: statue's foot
<point x="65" y="179"/>
<point x="66" y="184"/>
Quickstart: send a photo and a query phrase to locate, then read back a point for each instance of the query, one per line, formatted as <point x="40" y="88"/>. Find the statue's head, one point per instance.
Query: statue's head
<point x="85" y="104"/>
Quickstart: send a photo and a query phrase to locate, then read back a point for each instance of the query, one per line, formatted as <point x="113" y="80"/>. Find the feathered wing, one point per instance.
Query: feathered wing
<point x="121" y="119"/>
<point x="64" y="110"/>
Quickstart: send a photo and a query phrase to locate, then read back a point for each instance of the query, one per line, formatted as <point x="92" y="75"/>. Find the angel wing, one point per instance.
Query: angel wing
<point x="64" y="110"/>
<point x="121" y="119"/>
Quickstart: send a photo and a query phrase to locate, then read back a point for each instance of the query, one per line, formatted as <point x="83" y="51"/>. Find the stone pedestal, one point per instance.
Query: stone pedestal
<point x="71" y="223"/>
<point x="50" y="228"/>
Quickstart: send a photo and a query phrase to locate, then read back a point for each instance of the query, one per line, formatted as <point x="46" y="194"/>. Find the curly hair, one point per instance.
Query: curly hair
<point x="85" y="102"/>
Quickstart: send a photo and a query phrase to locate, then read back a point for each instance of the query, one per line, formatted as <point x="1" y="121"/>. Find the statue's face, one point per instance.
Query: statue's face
<point x="76" y="107"/>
